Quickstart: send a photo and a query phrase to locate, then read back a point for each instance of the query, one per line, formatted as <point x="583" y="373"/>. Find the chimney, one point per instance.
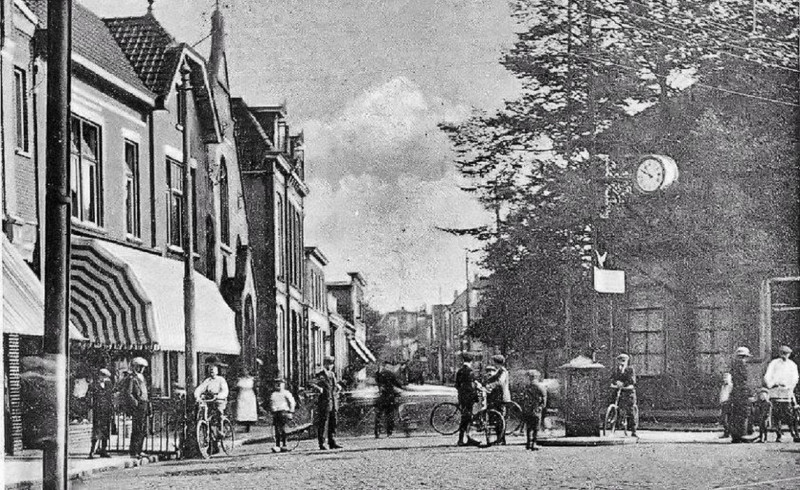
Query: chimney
<point x="215" y="58"/>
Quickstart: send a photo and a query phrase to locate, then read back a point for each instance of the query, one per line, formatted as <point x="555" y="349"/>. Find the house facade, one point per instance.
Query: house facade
<point x="273" y="172"/>
<point x="316" y="296"/>
<point x="127" y="197"/>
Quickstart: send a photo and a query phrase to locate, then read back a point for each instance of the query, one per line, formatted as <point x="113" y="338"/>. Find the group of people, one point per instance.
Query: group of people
<point x="497" y="390"/>
<point x="775" y="400"/>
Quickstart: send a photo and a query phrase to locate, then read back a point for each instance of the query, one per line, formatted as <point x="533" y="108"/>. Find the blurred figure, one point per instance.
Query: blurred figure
<point x="725" y="404"/>
<point x="246" y="406"/>
<point x="389" y="389"/>
<point x="533" y="403"/>
<point x="101" y="394"/>
<point x="623" y="378"/>
<point x="499" y="391"/>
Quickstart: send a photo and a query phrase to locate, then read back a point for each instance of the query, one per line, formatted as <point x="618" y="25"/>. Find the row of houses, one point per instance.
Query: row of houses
<point x="262" y="300"/>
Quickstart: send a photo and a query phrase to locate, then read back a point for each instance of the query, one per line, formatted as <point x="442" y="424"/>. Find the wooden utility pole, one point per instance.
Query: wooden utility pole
<point x="57" y="238"/>
<point x="190" y="358"/>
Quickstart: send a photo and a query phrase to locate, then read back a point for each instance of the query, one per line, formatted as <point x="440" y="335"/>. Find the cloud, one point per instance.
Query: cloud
<point x="389" y="131"/>
<point x="382" y="180"/>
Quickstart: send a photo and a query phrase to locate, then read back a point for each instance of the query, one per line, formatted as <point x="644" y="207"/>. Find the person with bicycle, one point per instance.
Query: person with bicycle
<point x="623" y="380"/>
<point x="498" y="389"/>
<point x="781" y="379"/>
<point x="467" y="388"/>
<point x="213" y="389"/>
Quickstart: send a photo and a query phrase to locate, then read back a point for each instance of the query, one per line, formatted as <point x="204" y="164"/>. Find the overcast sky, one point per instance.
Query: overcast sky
<point x="367" y="81"/>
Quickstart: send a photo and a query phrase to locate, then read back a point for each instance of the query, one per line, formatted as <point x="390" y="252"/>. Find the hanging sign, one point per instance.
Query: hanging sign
<point x="608" y="281"/>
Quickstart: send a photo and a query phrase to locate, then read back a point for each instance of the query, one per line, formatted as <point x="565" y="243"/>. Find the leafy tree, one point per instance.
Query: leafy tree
<point x="586" y="65"/>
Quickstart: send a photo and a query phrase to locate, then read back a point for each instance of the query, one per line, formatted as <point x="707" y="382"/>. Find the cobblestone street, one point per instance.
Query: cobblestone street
<point x="433" y="462"/>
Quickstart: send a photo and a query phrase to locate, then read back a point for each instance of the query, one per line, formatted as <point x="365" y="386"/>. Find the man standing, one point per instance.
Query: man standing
<point x="138" y="400"/>
<point x="623" y="378"/>
<point x="101" y="394"/>
<point x="327" y="404"/>
<point x="740" y="396"/>
<point x="467" y="396"/>
<point x="389" y="389"/>
<point x="781" y="379"/>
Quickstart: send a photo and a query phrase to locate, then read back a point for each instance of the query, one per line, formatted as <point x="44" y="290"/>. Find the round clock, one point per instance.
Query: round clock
<point x="655" y="173"/>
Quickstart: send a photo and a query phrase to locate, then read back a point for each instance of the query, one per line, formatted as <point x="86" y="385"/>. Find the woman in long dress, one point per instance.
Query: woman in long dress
<point x="246" y="407"/>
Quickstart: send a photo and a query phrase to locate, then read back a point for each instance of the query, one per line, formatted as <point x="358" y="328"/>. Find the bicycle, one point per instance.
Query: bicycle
<point x="514" y="420"/>
<point x="211" y="438"/>
<point x="612" y="417"/>
<point x="446" y="417"/>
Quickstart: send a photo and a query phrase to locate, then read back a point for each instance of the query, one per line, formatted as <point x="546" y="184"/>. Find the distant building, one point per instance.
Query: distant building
<point x="350" y="303"/>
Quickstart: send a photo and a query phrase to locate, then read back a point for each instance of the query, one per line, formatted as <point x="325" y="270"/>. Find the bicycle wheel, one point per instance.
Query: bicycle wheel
<point x="203" y="437"/>
<point x="610" y="421"/>
<point x="514" y="421"/>
<point x="294" y="433"/>
<point x="445" y="418"/>
<point x="226" y="436"/>
<point x="493" y="425"/>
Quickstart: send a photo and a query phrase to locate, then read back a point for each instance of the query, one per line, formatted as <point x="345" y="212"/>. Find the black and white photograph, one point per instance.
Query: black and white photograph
<point x="400" y="244"/>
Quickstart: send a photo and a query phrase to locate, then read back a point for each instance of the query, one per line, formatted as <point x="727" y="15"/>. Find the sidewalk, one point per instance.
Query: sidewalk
<point x="25" y="471"/>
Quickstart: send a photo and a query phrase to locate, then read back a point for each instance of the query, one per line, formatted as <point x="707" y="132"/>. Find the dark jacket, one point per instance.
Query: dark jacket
<point x="328" y="385"/>
<point x="534" y="399"/>
<point x="137" y="392"/>
<point x="102" y="396"/>
<point x="465" y="385"/>
<point x="740" y="393"/>
<point x="389" y="386"/>
<point x="627" y="376"/>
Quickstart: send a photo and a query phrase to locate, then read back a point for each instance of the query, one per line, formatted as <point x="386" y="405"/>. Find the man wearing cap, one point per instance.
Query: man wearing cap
<point x="101" y="393"/>
<point x="623" y="378"/>
<point x="498" y="383"/>
<point x="467" y="396"/>
<point x="740" y="396"/>
<point x="327" y="404"/>
<point x="213" y="390"/>
<point x="781" y="379"/>
<point x="138" y="400"/>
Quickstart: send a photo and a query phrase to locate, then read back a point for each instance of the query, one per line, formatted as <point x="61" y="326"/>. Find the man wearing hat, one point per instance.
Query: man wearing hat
<point x="497" y="385"/>
<point x="781" y="379"/>
<point x="138" y="400"/>
<point x="623" y="378"/>
<point x="740" y="396"/>
<point x="467" y="396"/>
<point x="327" y="404"/>
<point x="101" y="393"/>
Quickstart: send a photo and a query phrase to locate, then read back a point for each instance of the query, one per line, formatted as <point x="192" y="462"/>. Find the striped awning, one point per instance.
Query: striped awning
<point x="361" y="350"/>
<point x="23" y="297"/>
<point x="126" y="298"/>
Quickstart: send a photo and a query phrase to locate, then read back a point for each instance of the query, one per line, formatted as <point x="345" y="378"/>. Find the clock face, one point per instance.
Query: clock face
<point x="650" y="175"/>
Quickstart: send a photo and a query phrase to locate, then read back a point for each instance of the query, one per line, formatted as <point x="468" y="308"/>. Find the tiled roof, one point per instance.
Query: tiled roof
<point x="92" y="40"/>
<point x="150" y="49"/>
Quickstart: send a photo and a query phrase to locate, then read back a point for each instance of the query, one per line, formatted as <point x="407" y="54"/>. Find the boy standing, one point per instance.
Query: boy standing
<point x="533" y="404"/>
<point x="762" y="411"/>
<point x="281" y="404"/>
